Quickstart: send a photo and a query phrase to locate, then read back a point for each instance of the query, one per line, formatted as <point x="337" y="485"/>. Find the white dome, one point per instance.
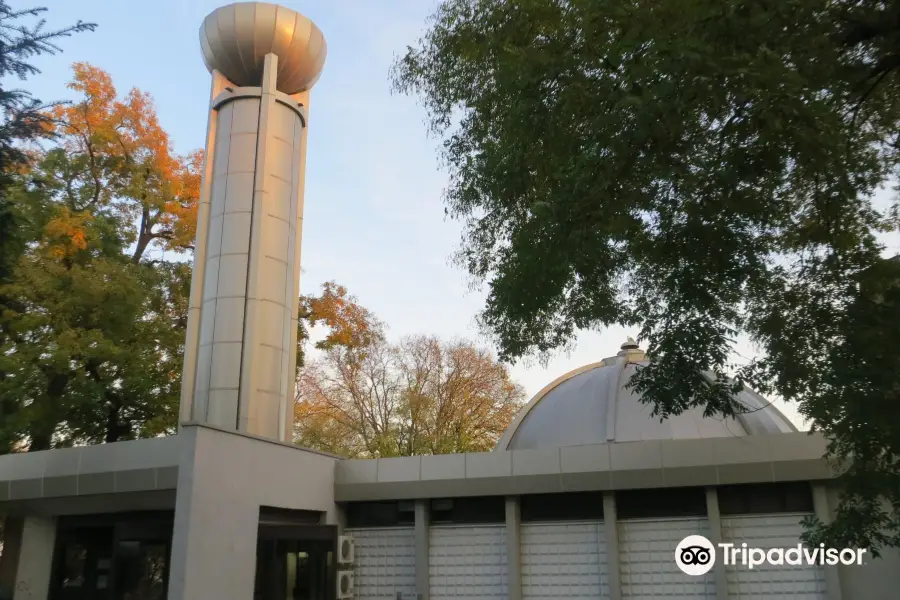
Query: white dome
<point x="591" y="405"/>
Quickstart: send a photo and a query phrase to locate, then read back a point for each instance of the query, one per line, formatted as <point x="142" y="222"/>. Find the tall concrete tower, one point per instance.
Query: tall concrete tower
<point x="240" y="353"/>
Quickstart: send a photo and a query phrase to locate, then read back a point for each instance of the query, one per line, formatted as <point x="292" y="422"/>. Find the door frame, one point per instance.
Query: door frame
<point x="324" y="535"/>
<point x="149" y="526"/>
<point x="87" y="536"/>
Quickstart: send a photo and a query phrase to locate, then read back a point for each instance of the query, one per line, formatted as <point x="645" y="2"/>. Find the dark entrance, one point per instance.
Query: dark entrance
<point x="295" y="562"/>
<point x="112" y="557"/>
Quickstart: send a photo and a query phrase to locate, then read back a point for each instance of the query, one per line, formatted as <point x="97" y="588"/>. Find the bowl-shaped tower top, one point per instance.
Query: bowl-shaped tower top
<point x="236" y="38"/>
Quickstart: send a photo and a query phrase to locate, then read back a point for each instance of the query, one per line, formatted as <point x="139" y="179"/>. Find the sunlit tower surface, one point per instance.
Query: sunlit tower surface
<point x="240" y="352"/>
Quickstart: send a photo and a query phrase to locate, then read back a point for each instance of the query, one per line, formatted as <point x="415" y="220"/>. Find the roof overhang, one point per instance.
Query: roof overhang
<point x="624" y="465"/>
<point x="132" y="475"/>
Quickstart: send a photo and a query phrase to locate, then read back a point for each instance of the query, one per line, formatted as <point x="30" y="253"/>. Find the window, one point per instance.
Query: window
<point x="765" y="498"/>
<point x="661" y="503"/>
<point x="270" y="515"/>
<point x="380" y="514"/>
<point x="485" y="509"/>
<point x="74" y="563"/>
<point x="562" y="507"/>
<point x="141" y="570"/>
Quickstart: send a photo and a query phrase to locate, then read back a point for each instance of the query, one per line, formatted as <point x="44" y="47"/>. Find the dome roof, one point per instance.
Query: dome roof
<point x="591" y="405"/>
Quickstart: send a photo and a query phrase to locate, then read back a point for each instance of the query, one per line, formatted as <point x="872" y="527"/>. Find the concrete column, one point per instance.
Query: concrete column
<point x="513" y="548"/>
<point x="216" y="525"/>
<point x="9" y="559"/>
<point x="611" y="529"/>
<point x="337" y="516"/>
<point x="423" y="579"/>
<point x="715" y="536"/>
<point x="35" y="559"/>
<point x="823" y="513"/>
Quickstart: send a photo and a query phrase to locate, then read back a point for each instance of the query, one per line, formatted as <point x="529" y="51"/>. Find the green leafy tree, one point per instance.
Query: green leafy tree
<point x="22" y="120"/>
<point x="98" y="338"/>
<point x="99" y="324"/>
<point x="22" y="117"/>
<point x="699" y="169"/>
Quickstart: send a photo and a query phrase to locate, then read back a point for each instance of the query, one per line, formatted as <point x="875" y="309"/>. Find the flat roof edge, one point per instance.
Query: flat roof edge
<point x="622" y="465"/>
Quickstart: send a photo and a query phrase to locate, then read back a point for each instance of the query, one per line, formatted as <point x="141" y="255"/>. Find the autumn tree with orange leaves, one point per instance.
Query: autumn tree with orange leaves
<point x="97" y="322"/>
<point x="114" y="156"/>
<point x="366" y="397"/>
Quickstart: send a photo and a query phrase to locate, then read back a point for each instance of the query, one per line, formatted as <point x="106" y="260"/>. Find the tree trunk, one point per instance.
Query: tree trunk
<point x="41" y="437"/>
<point x="114" y="429"/>
<point x="42" y="428"/>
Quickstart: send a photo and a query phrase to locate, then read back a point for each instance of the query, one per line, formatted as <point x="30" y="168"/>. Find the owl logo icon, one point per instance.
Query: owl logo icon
<point x="695" y="555"/>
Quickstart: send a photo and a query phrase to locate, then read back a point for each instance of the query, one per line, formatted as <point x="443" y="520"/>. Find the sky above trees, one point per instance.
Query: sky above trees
<point x="374" y="219"/>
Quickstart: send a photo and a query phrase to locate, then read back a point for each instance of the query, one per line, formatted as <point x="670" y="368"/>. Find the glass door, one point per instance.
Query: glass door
<point x="141" y="570"/>
<point x="120" y="556"/>
<point x="83" y="565"/>
<point x="295" y="569"/>
<point x="307" y="569"/>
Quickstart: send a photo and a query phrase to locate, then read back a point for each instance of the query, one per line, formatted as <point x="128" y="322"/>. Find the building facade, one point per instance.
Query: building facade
<point x="587" y="496"/>
<point x="557" y="511"/>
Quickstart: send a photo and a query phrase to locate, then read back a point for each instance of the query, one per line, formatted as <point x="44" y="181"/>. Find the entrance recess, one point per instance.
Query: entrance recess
<point x="112" y="557"/>
<point x="295" y="562"/>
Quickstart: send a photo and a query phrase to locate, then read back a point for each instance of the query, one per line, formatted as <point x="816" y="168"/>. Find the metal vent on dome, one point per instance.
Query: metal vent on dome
<point x="630" y="344"/>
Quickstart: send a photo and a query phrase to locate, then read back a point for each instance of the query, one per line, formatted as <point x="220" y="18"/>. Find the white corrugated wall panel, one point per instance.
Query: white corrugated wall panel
<point x="564" y="560"/>
<point x="647" y="559"/>
<point x="468" y="561"/>
<point x="385" y="563"/>
<point x="797" y="582"/>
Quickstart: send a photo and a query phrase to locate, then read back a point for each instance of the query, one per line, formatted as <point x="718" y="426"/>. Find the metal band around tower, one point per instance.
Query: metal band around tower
<point x="234" y="93"/>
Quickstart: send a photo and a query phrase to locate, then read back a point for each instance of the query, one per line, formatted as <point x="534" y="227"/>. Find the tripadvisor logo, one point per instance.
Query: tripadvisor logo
<point x="695" y="555"/>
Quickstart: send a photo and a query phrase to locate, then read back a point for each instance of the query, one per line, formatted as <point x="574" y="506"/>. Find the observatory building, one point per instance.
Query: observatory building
<point x="586" y="496"/>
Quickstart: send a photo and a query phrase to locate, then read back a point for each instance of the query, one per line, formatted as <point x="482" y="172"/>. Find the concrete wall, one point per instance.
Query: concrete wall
<point x="35" y="559"/>
<point x="9" y="557"/>
<point x="878" y="579"/>
<point x="224" y="478"/>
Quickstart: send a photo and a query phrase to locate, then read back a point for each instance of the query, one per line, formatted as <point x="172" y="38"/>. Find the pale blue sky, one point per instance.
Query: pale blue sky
<point x="374" y="219"/>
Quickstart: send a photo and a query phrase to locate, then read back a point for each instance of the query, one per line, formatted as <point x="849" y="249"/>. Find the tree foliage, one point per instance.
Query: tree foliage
<point x="348" y="324"/>
<point x="21" y="115"/>
<point x="367" y="397"/>
<point x="95" y="326"/>
<point x="115" y="157"/>
<point x="699" y="169"/>
<point x="22" y="120"/>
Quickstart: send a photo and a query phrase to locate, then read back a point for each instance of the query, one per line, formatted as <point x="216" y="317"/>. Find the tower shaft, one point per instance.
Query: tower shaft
<point x="240" y="354"/>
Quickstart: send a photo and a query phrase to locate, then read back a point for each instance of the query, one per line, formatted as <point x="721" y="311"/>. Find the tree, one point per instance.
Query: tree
<point x="96" y="339"/>
<point x="114" y="156"/>
<point x="700" y="170"/>
<point x="21" y="115"/>
<point x="348" y="324"/>
<point x="96" y="327"/>
<point x="366" y="397"/>
<point x="21" y="121"/>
